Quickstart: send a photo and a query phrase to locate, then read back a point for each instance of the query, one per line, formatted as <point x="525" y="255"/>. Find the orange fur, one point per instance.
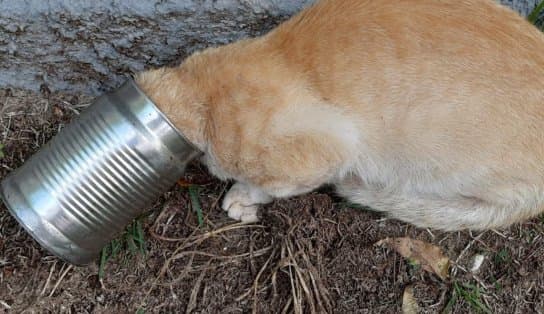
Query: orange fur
<point x="429" y="110"/>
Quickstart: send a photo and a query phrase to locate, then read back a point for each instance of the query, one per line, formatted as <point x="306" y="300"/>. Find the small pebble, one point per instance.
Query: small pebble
<point x="477" y="263"/>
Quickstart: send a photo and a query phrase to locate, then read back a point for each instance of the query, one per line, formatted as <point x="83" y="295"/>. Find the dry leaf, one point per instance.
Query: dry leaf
<point x="409" y="303"/>
<point x="429" y="256"/>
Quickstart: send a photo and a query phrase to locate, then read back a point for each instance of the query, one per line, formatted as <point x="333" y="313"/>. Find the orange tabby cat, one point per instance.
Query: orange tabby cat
<point x="429" y="110"/>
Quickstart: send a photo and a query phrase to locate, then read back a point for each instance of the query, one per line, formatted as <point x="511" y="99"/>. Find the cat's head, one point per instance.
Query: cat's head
<point x="175" y="93"/>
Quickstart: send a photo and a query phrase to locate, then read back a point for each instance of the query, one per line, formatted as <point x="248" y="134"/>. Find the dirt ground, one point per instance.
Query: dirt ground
<point x="313" y="253"/>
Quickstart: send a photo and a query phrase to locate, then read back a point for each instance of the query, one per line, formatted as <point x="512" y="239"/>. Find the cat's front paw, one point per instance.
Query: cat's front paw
<point x="242" y="202"/>
<point x="242" y="213"/>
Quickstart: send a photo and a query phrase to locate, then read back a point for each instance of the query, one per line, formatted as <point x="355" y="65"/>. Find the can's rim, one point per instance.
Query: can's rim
<point x="163" y="116"/>
<point x="77" y="260"/>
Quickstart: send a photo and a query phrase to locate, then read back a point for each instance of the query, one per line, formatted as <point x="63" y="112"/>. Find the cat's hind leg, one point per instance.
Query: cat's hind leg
<point x="450" y="214"/>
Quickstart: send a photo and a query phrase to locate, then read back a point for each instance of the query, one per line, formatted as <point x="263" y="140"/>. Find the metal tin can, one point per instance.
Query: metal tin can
<point x="100" y="172"/>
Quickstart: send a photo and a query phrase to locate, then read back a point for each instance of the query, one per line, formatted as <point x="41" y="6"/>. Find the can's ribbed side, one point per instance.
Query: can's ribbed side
<point x="97" y="179"/>
<point x="96" y="175"/>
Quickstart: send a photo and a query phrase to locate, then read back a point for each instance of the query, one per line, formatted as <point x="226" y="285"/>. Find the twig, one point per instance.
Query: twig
<point x="48" y="278"/>
<point x="206" y="235"/>
<point x="4" y="304"/>
<point x="256" y="281"/>
<point x="194" y="293"/>
<point x="456" y="263"/>
<point x="60" y="280"/>
<point x="498" y="233"/>
<point x="220" y="257"/>
<point x="186" y="243"/>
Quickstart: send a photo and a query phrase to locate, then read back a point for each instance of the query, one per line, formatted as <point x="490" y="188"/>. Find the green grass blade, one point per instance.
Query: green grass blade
<point x="195" y="203"/>
<point x="115" y="247"/>
<point x="533" y="17"/>
<point x="140" y="237"/>
<point x="454" y="295"/>
<point x="103" y="260"/>
<point x="1" y="151"/>
<point x="133" y="249"/>
<point x="470" y="293"/>
<point x="131" y="242"/>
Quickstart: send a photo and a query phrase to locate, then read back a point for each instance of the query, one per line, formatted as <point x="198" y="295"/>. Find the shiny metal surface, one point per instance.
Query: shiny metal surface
<point x="100" y="172"/>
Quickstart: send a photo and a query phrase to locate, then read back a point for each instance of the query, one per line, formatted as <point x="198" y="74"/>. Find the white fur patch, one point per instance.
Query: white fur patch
<point x="315" y="117"/>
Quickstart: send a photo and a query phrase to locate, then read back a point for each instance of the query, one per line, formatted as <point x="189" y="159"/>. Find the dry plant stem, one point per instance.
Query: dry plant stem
<point x="60" y="280"/>
<point x="320" y="291"/>
<point x="221" y="257"/>
<point x="256" y="281"/>
<point x="189" y="242"/>
<point x="48" y="279"/>
<point x="469" y="245"/>
<point x="194" y="293"/>
<point x="204" y="236"/>
<point x="4" y="304"/>
<point x="300" y="279"/>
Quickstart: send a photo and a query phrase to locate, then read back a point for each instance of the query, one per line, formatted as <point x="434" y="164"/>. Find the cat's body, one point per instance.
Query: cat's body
<point x="429" y="110"/>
